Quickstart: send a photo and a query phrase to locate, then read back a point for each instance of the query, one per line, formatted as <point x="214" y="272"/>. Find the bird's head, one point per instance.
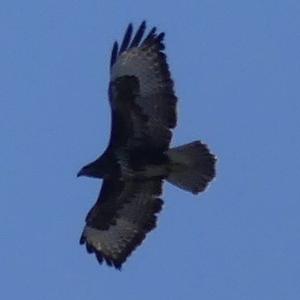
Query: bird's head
<point x="85" y="171"/>
<point x="94" y="169"/>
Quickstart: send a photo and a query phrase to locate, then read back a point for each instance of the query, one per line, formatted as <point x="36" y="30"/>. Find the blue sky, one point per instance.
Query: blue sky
<point x="236" y="68"/>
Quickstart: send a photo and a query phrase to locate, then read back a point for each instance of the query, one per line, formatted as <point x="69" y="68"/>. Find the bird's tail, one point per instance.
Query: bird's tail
<point x="192" y="167"/>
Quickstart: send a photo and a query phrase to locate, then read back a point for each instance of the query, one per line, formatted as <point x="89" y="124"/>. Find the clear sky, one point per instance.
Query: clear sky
<point x="236" y="67"/>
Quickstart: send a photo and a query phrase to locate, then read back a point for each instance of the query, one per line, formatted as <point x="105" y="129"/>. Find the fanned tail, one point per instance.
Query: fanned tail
<point x="192" y="166"/>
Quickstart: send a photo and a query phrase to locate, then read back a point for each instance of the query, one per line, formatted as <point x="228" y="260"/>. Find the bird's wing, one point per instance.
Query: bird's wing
<point x="119" y="221"/>
<point x="141" y="92"/>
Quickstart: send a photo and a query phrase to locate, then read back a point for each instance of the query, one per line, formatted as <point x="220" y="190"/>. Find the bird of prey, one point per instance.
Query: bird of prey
<point x="138" y="158"/>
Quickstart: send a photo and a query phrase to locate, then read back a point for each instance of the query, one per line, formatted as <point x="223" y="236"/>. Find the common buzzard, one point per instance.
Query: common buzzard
<point x="138" y="158"/>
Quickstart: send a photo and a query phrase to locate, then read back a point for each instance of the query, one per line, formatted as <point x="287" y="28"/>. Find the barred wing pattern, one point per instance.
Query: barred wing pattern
<point x="141" y="92"/>
<point x="121" y="218"/>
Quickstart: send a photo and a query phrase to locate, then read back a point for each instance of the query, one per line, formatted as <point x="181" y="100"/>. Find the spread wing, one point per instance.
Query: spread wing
<point x="141" y="92"/>
<point x="119" y="221"/>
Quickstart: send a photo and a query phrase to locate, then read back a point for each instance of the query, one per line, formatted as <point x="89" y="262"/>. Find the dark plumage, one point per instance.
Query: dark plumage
<point x="138" y="157"/>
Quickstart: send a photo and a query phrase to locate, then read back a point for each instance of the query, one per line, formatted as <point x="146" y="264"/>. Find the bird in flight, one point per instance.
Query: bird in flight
<point x="138" y="158"/>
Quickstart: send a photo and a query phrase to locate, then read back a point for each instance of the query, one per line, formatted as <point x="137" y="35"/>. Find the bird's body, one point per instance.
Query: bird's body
<point x="138" y="157"/>
<point x="128" y="164"/>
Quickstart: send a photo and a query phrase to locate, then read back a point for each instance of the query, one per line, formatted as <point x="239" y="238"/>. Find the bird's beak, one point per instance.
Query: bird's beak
<point x="80" y="173"/>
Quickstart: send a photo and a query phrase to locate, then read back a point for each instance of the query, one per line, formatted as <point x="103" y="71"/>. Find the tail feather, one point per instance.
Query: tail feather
<point x="192" y="167"/>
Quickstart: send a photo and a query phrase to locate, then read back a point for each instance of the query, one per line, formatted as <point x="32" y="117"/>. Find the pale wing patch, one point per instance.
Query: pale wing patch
<point x="113" y="241"/>
<point x="143" y="64"/>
